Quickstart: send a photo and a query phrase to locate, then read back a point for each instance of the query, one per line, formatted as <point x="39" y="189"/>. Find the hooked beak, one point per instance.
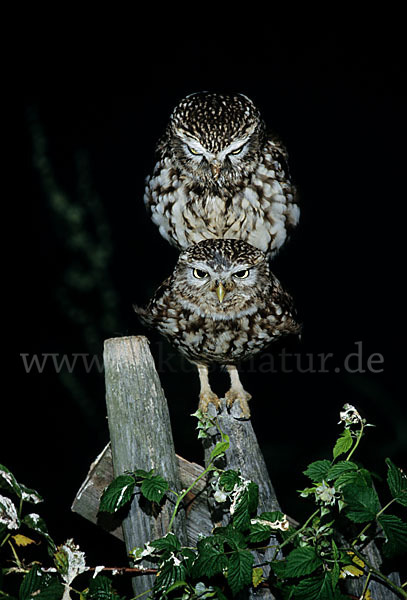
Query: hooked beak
<point x="220" y="292"/>
<point x="215" y="168"/>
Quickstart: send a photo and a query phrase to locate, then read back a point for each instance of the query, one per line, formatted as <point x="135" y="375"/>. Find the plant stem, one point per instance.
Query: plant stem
<point x="296" y="532"/>
<point x="182" y="495"/>
<point x="376" y="572"/>
<point x="357" y="442"/>
<point x="366" y="527"/>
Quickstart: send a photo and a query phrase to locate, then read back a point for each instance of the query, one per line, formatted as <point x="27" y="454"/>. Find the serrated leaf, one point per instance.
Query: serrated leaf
<point x="154" y="489"/>
<point x="210" y="561"/>
<point x="246" y="504"/>
<point x="101" y="588"/>
<point x="397" y="481"/>
<point x="9" y="482"/>
<point x="259" y="533"/>
<point x="230" y="535"/>
<point x="341" y="467"/>
<point x="302" y="561"/>
<point x="117" y="494"/>
<point x="362" y="503"/>
<point x="315" y="588"/>
<point x="37" y="523"/>
<point x="228" y="480"/>
<point x="220" y="448"/>
<point x="239" y="572"/>
<point x="170" y="571"/>
<point x="30" y="495"/>
<point x="359" y="478"/>
<point x="169" y="542"/>
<point x="343" y="444"/>
<point x="395" y="531"/>
<point x="37" y="584"/>
<point x="318" y="470"/>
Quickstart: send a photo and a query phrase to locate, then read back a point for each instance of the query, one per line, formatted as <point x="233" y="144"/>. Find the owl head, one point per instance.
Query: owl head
<point x="222" y="278"/>
<point x="213" y="138"/>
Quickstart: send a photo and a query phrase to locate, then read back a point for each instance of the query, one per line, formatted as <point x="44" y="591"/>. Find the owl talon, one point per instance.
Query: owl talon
<point x="207" y="398"/>
<point x="242" y="397"/>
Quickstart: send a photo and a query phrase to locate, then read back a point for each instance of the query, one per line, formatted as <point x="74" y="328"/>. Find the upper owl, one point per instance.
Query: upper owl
<point x="219" y="174"/>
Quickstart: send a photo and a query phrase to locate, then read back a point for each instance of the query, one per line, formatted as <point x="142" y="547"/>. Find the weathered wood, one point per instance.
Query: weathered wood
<point x="243" y="455"/>
<point x="87" y="500"/>
<point x="141" y="437"/>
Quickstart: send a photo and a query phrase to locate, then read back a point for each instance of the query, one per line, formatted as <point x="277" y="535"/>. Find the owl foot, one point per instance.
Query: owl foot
<point x="242" y="397"/>
<point x="237" y="392"/>
<point x="206" y="398"/>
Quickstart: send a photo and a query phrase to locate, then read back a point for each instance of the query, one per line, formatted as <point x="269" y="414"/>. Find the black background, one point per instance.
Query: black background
<point x="336" y="100"/>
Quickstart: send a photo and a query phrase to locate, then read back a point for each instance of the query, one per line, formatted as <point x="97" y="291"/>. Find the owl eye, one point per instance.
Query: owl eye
<point x="193" y="151"/>
<point x="237" y="151"/>
<point x="241" y="274"/>
<point x="200" y="274"/>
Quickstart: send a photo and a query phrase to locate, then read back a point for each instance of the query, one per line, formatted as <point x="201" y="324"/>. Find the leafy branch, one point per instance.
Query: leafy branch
<point x="319" y="555"/>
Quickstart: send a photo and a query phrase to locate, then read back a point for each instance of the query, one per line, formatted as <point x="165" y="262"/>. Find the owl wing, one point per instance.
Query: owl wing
<point x="151" y="312"/>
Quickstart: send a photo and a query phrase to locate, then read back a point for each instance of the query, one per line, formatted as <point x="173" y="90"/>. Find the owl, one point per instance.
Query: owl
<point x="221" y="305"/>
<point x="219" y="174"/>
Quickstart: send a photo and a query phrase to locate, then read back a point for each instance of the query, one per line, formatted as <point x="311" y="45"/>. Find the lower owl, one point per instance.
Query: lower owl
<point x="221" y="305"/>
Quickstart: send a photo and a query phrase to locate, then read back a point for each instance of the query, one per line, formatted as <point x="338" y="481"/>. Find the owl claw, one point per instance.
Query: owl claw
<point x="242" y="397"/>
<point x="206" y="398"/>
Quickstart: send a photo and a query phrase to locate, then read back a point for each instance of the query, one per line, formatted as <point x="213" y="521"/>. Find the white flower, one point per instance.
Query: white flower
<point x="350" y="415"/>
<point x="220" y="496"/>
<point x="325" y="493"/>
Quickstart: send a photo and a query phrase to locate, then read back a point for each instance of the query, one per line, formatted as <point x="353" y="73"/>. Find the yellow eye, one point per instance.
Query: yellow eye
<point x="237" y="151"/>
<point x="241" y="274"/>
<point x="193" y="151"/>
<point x="200" y="274"/>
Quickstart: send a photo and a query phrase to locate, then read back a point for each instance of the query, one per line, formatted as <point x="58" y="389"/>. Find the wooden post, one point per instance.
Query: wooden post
<point x="244" y="455"/>
<point x="141" y="437"/>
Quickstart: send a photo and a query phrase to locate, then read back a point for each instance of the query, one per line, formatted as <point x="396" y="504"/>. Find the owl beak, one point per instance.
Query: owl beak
<point x="220" y="292"/>
<point x="215" y="168"/>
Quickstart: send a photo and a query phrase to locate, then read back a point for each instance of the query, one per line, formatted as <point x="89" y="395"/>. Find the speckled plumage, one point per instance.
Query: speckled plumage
<point x="221" y="305"/>
<point x="219" y="174"/>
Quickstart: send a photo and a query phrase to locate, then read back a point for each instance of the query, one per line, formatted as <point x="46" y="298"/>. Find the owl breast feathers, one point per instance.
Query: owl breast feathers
<point x="221" y="304"/>
<point x="220" y="175"/>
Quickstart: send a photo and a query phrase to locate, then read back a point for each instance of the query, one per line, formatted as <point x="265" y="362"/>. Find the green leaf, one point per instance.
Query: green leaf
<point x="37" y="584"/>
<point x="37" y="523"/>
<point x="318" y="470"/>
<point x="9" y="482"/>
<point x="101" y="588"/>
<point x="154" y="489"/>
<point x="362" y="503"/>
<point x="340" y="468"/>
<point x="169" y="542"/>
<point x="395" y="531"/>
<point x="170" y="571"/>
<point x="246" y="504"/>
<point x="239" y="572"/>
<point x="230" y="535"/>
<point x="359" y="478"/>
<point x="220" y="448"/>
<point x="343" y="444"/>
<point x="397" y="481"/>
<point x="301" y="561"/>
<point x="117" y="494"/>
<point x="228" y="480"/>
<point x="211" y="559"/>
<point x="316" y="588"/>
